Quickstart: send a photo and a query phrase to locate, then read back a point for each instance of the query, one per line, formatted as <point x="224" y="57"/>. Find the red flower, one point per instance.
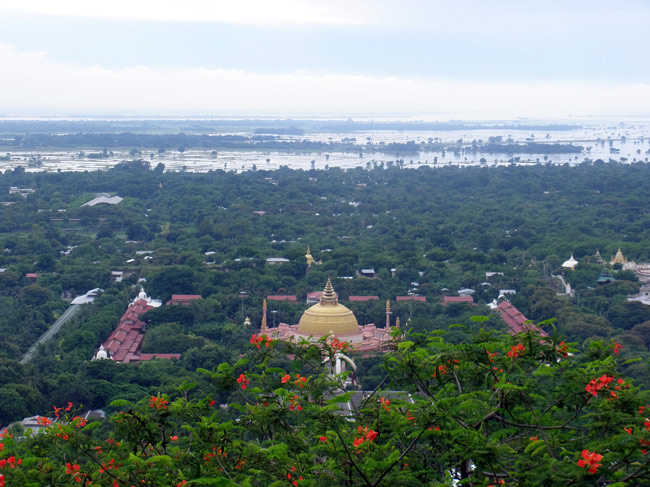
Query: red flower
<point x="44" y="421"/>
<point x="158" y="403"/>
<point x="243" y="381"/>
<point x="323" y="439"/>
<point x="562" y="349"/>
<point x="212" y="402"/>
<point x="516" y="350"/>
<point x="71" y="469"/>
<point x="617" y="347"/>
<point x="68" y="407"/>
<point x="2" y="480"/>
<point x="384" y="403"/>
<point x="358" y="442"/>
<point x="533" y="439"/>
<point x="173" y="438"/>
<point x="596" y="385"/>
<point x="629" y="430"/>
<point x="590" y="459"/>
<point x="300" y="381"/>
<point x="181" y="483"/>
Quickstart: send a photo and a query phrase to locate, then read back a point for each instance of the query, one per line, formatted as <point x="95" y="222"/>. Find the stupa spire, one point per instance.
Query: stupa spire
<point x="387" y="314"/>
<point x="264" y="316"/>
<point x="329" y="296"/>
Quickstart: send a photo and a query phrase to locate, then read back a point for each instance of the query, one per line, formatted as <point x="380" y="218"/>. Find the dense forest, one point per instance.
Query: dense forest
<point x="426" y="231"/>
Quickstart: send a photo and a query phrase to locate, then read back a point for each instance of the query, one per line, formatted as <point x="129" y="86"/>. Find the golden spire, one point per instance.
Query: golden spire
<point x="328" y="296"/>
<point x="264" y="316"/>
<point x="247" y="321"/>
<point x="397" y="322"/>
<point x="308" y="256"/>
<point x="387" y="305"/>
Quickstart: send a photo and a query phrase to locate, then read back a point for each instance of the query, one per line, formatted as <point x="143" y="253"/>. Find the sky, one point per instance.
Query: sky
<point x="430" y="59"/>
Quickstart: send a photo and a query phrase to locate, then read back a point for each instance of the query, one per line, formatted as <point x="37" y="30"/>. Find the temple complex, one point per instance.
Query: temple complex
<point x="329" y="317"/>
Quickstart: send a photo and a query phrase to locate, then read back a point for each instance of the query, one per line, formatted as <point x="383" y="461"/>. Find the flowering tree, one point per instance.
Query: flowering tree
<point x="501" y="410"/>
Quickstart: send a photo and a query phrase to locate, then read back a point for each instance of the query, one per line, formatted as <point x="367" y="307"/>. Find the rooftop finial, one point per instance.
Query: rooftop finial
<point x="329" y="296"/>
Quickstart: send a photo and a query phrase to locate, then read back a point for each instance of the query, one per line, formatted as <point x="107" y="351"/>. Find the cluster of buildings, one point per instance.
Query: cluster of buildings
<point x="123" y="344"/>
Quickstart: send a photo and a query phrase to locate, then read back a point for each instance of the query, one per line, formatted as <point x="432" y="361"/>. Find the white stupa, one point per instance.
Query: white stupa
<point x="571" y="263"/>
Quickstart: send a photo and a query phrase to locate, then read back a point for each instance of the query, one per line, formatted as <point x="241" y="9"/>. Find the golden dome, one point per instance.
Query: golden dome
<point x="328" y="316"/>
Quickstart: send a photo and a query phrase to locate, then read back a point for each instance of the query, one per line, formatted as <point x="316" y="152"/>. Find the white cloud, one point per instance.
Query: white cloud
<point x="32" y="84"/>
<point x="228" y="11"/>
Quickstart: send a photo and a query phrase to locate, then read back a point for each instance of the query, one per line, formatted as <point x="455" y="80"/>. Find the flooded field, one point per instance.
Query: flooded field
<point x="622" y="144"/>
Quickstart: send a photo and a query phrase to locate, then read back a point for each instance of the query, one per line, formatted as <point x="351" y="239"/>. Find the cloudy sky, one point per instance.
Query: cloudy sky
<point x="401" y="58"/>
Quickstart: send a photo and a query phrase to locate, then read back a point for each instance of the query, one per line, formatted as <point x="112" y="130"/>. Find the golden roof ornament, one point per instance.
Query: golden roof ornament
<point x="308" y="256"/>
<point x="247" y="321"/>
<point x="397" y="322"/>
<point x="328" y="296"/>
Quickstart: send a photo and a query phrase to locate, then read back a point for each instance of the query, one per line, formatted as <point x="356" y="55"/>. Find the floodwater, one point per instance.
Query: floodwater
<point x="627" y="144"/>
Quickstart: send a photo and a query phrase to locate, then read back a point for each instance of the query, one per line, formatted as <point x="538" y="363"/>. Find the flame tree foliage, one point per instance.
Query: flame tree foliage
<point x="498" y="410"/>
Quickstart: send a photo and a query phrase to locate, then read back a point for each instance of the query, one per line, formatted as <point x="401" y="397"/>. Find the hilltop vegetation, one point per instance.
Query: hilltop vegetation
<point x="442" y="228"/>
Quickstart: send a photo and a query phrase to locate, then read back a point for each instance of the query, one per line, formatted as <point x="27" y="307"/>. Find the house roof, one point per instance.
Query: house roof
<point x="515" y="319"/>
<point x="411" y="298"/>
<point x="362" y="298"/>
<point x="457" y="299"/>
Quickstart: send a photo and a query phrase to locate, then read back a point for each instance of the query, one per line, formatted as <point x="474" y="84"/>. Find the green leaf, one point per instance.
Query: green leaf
<point x="91" y="426"/>
<point x="120" y="403"/>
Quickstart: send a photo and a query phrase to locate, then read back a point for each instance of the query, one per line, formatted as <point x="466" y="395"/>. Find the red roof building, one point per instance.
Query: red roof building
<point x="457" y="299"/>
<point x="363" y="298"/>
<point x="123" y="344"/>
<point x="183" y="299"/>
<point x="422" y="299"/>
<point x="516" y="321"/>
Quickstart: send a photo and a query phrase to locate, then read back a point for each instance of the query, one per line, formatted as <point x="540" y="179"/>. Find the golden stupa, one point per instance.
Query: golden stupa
<point x="328" y="316"/>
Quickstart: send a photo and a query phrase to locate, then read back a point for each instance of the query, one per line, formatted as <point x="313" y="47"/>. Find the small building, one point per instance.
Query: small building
<point x="447" y="300"/>
<point x="183" y="299"/>
<point x="276" y="260"/>
<point x="363" y="298"/>
<point x="314" y="297"/>
<point x="87" y="298"/>
<point x="368" y="272"/>
<point x="32" y="275"/>
<point x="103" y="198"/>
<point x="490" y="274"/>
<point x="466" y="291"/>
<point x="643" y="296"/>
<point x="411" y="297"/>
<point x="605" y="277"/>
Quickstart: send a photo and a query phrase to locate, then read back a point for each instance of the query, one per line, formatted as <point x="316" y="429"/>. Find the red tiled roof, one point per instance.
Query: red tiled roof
<point x="281" y="298"/>
<point x="315" y="294"/>
<point x="185" y="297"/>
<point x="411" y="298"/>
<point x="363" y="298"/>
<point x="124" y="342"/>
<point x="515" y="320"/>
<point x="457" y="299"/>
